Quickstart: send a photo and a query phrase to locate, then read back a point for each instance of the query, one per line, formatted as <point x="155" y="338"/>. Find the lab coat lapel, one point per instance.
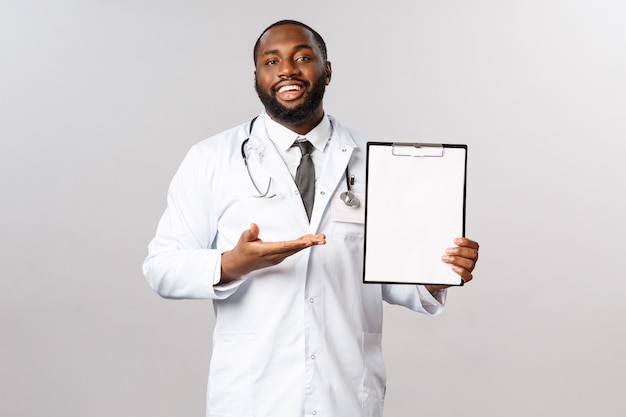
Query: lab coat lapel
<point x="340" y="150"/>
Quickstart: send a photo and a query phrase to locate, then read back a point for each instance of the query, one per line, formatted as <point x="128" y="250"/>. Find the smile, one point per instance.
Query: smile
<point x="289" y="88"/>
<point x="289" y="92"/>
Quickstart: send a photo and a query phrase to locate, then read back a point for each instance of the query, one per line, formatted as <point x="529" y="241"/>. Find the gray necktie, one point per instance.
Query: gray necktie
<point x="305" y="176"/>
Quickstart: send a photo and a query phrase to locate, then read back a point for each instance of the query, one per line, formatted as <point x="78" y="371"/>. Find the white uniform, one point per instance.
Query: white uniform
<point x="302" y="337"/>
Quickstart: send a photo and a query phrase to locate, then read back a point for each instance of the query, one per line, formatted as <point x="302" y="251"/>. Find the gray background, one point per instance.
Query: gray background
<point x="100" y="100"/>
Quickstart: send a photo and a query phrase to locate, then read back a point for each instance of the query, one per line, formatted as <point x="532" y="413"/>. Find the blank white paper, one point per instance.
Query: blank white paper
<point x="414" y="209"/>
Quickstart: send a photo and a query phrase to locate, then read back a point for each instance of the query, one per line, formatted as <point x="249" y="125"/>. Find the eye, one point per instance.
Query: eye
<point x="303" y="58"/>
<point x="271" y="62"/>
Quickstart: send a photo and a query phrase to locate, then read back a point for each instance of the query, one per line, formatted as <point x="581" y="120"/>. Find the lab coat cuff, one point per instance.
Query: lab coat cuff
<point x="432" y="303"/>
<point x="224" y="290"/>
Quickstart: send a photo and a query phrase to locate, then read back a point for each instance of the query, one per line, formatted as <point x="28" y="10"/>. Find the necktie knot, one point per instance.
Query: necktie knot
<point x="305" y="146"/>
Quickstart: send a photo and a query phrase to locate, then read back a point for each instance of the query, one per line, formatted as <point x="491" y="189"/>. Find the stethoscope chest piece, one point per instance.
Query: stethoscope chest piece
<point x="349" y="199"/>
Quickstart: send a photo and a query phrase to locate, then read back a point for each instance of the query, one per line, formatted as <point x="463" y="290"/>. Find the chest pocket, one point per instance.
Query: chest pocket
<point x="347" y="221"/>
<point x="349" y="230"/>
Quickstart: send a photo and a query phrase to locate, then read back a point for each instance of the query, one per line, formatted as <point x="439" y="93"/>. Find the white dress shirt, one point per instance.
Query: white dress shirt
<point x="283" y="138"/>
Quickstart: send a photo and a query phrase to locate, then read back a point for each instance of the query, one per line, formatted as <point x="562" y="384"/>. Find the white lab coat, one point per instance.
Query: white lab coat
<point x="302" y="337"/>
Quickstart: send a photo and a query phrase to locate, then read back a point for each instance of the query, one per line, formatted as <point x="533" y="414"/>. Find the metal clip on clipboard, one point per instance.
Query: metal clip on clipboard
<point x="417" y="149"/>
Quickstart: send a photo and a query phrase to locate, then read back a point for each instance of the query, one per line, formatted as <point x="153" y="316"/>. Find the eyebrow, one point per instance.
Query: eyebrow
<point x="295" y="48"/>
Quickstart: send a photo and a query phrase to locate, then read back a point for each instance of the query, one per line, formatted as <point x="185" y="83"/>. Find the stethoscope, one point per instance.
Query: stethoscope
<point x="347" y="197"/>
<point x="245" y="161"/>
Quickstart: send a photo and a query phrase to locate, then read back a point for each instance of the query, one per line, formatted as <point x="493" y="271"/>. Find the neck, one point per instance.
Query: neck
<point x="305" y="126"/>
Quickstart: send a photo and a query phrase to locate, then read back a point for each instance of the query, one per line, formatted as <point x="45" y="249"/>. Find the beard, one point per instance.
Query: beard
<point x="301" y="112"/>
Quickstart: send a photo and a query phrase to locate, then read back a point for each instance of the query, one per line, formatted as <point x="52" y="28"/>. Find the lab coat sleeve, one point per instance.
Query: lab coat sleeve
<point x="415" y="297"/>
<point x="181" y="262"/>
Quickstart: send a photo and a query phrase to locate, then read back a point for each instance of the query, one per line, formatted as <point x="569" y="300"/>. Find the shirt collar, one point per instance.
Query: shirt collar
<point x="283" y="137"/>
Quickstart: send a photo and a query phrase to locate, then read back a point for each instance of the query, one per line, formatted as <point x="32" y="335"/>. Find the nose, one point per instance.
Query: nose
<point x="287" y="68"/>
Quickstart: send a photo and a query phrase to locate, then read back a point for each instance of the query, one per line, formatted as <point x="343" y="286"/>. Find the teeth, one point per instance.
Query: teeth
<point x="289" y="88"/>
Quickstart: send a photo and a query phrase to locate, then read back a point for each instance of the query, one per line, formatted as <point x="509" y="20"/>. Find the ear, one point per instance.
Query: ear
<point x="329" y="71"/>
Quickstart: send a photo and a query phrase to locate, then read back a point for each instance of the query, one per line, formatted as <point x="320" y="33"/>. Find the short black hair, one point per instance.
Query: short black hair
<point x="318" y="38"/>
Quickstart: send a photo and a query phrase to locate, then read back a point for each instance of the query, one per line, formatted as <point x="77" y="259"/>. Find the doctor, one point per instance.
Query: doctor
<point x="297" y="333"/>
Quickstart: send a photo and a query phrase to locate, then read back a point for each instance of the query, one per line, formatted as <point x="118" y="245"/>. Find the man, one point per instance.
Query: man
<point x="297" y="332"/>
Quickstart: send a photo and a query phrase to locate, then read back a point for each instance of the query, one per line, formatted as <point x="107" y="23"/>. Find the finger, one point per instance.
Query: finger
<point x="463" y="252"/>
<point x="290" y="247"/>
<point x="310" y="236"/>
<point x="465" y="242"/>
<point x="315" y="239"/>
<point x="459" y="261"/>
<point x="466" y="275"/>
<point x="300" y="243"/>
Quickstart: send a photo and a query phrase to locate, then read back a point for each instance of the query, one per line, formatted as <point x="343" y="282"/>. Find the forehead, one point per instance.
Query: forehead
<point x="285" y="38"/>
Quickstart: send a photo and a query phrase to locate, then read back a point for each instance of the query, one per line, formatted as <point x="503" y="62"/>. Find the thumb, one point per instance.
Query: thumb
<point x="255" y="230"/>
<point x="251" y="234"/>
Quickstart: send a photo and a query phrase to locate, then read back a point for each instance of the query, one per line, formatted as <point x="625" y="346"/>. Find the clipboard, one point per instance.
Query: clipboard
<point x="414" y="208"/>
